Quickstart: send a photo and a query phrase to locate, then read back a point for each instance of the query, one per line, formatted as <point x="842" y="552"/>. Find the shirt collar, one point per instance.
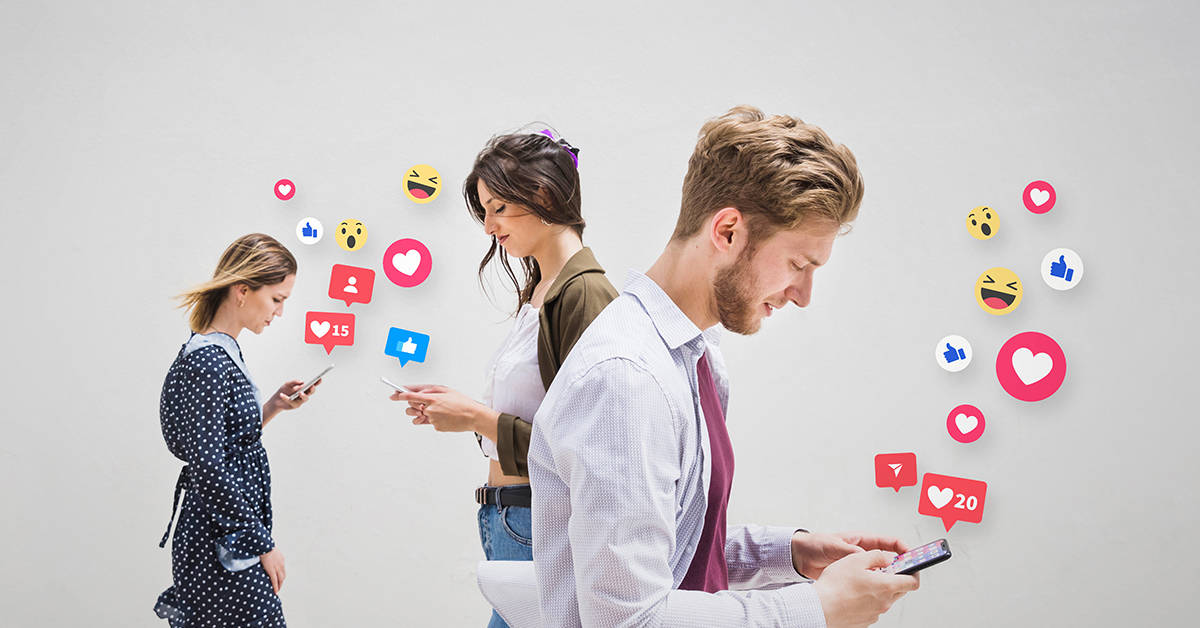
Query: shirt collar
<point x="673" y="325"/>
<point x="713" y="335"/>
<point x="231" y="347"/>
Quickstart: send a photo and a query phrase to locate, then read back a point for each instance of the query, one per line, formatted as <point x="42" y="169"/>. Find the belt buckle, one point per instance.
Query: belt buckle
<point x="481" y="495"/>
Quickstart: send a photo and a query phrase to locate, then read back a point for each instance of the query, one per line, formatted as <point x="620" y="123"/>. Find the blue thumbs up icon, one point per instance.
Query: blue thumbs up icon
<point x="953" y="353"/>
<point x="1060" y="269"/>
<point x="406" y="346"/>
<point x="309" y="230"/>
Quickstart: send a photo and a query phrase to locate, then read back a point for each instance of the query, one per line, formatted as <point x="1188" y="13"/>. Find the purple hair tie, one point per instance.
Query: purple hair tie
<point x="571" y="150"/>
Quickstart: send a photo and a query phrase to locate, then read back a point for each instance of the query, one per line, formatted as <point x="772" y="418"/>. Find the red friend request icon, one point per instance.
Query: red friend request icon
<point x="351" y="284"/>
<point x="952" y="499"/>
<point x="1031" y="366"/>
<point x="895" y="470"/>
<point x="329" y="329"/>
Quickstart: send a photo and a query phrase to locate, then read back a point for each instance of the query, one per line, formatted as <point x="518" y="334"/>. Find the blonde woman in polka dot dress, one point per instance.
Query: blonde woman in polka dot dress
<point x="227" y="570"/>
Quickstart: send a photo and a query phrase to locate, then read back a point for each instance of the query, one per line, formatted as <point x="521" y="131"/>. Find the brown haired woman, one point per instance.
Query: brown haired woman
<point x="227" y="570"/>
<point x="524" y="189"/>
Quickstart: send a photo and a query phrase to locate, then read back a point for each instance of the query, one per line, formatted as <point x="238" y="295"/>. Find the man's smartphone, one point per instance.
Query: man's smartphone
<point x="915" y="560"/>
<point x="296" y="395"/>
<point x="398" y="387"/>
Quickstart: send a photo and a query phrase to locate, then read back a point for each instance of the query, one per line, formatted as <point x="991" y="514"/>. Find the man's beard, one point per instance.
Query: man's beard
<point x="734" y="289"/>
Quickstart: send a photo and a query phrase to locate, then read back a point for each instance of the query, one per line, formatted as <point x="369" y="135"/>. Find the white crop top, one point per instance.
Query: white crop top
<point x="514" y="383"/>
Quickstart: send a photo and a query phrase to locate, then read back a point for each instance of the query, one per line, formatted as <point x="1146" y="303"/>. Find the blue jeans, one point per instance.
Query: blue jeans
<point x="506" y="533"/>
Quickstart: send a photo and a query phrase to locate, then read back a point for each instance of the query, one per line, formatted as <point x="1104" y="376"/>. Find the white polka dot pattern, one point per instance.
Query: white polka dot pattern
<point x="212" y="421"/>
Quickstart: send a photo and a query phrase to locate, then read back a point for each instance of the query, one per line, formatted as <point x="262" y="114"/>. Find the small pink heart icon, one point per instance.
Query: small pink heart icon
<point x="284" y="189"/>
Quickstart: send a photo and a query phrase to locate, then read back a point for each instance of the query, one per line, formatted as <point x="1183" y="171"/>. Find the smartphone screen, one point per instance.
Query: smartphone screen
<point x="916" y="559"/>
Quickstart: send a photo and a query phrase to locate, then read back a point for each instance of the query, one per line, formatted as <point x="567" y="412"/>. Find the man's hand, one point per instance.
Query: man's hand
<point x="854" y="596"/>
<point x="812" y="553"/>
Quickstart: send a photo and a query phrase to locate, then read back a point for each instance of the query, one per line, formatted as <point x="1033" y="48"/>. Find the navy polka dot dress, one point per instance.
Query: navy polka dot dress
<point x="211" y="420"/>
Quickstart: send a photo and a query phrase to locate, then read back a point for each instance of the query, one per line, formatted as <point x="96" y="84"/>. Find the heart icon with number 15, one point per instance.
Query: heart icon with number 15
<point x="329" y="329"/>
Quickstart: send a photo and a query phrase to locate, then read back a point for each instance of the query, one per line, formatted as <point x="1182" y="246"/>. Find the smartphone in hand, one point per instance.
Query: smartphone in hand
<point x="296" y="395"/>
<point x="916" y="559"/>
<point x="398" y="387"/>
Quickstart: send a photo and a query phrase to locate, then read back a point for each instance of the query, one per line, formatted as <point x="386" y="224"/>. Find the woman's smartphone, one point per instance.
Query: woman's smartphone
<point x="915" y="560"/>
<point x="296" y="395"/>
<point x="398" y="387"/>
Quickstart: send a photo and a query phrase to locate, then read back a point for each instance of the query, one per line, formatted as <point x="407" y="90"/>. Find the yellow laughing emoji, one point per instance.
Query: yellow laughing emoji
<point x="351" y="234"/>
<point x="998" y="291"/>
<point x="982" y="222"/>
<point x="422" y="183"/>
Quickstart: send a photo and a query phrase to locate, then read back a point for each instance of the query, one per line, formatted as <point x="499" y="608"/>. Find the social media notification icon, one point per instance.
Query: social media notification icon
<point x="952" y="353"/>
<point x="329" y="329"/>
<point x="965" y="423"/>
<point x="406" y="346"/>
<point x="1031" y="366"/>
<point x="309" y="230"/>
<point x="1062" y="269"/>
<point x="998" y="291"/>
<point x="407" y="262"/>
<point x="1039" y="197"/>
<point x="952" y="499"/>
<point x="351" y="284"/>
<point x="896" y="470"/>
<point x="285" y="189"/>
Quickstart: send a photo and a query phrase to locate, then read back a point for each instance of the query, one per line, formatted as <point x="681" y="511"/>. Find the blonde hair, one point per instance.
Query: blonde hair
<point x="254" y="259"/>
<point x="777" y="171"/>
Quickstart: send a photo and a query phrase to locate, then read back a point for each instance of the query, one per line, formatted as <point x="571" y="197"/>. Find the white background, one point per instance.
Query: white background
<point x="138" y="139"/>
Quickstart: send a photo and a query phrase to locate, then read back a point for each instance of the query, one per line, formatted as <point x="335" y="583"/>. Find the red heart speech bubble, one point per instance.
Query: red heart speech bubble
<point x="329" y="329"/>
<point x="952" y="499"/>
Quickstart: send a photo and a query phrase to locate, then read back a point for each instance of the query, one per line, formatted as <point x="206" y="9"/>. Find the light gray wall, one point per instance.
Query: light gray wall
<point x="138" y="139"/>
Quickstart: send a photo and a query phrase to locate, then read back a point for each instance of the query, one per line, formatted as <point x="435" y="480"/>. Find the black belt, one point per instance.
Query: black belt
<point x="501" y="496"/>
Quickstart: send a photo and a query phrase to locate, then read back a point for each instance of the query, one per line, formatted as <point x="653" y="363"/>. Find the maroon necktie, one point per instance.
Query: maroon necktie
<point x="708" y="571"/>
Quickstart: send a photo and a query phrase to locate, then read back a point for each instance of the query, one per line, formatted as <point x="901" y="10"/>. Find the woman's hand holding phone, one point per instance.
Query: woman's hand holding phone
<point x="447" y="410"/>
<point x="283" y="400"/>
